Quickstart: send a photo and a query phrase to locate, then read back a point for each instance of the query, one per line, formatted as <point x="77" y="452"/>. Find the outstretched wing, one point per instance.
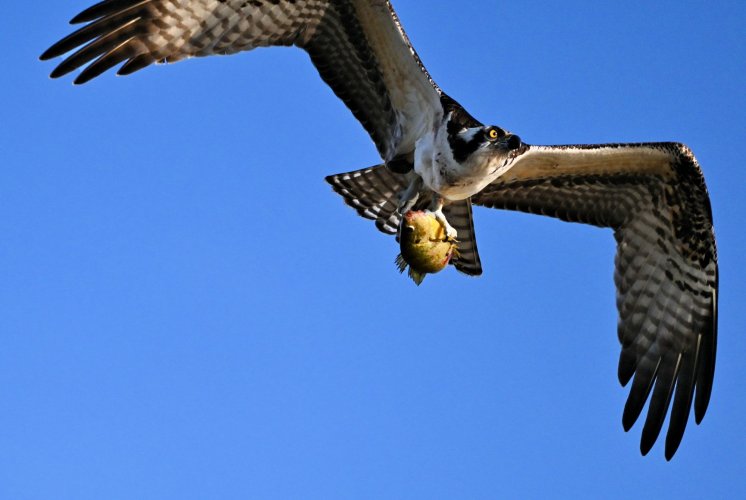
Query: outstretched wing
<point x="374" y="193"/>
<point x="358" y="47"/>
<point x="654" y="197"/>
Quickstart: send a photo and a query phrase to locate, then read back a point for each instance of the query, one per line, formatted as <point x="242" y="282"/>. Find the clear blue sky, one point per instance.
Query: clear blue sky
<point x="188" y="311"/>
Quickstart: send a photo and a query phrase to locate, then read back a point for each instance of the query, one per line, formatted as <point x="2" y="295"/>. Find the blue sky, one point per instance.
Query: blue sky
<point x="188" y="311"/>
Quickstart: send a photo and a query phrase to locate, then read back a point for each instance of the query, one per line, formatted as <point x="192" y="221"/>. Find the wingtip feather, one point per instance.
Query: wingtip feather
<point x="55" y="50"/>
<point x="672" y="445"/>
<point x="46" y="55"/>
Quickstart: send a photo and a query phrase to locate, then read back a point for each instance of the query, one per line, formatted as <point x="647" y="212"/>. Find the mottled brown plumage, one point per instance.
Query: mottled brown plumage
<point x="351" y="43"/>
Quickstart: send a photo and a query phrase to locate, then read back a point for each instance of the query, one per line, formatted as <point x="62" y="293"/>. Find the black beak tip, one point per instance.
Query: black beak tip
<point x="514" y="142"/>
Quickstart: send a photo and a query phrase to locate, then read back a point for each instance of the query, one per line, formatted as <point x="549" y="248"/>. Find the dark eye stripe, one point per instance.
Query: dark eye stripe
<point x="462" y="149"/>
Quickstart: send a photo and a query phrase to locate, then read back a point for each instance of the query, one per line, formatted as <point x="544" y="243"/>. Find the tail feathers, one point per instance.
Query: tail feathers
<point x="374" y="193"/>
<point x="459" y="216"/>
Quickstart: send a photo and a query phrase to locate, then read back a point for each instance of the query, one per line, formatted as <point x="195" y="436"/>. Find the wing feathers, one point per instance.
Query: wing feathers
<point x="121" y="52"/>
<point x="101" y="29"/>
<point x="706" y="368"/>
<point x="341" y="55"/>
<point x="358" y="47"/>
<point x="654" y="197"/>
<point x="659" y="401"/>
<point x="105" y="8"/>
<point x="135" y="64"/>
<point x="682" y="402"/>
<point x="645" y="375"/>
<point x="97" y="48"/>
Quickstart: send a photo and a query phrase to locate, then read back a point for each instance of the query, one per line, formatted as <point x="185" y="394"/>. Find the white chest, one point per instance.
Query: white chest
<point x="440" y="172"/>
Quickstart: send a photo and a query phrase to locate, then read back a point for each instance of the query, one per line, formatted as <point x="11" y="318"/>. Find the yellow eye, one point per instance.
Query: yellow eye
<point x="492" y="134"/>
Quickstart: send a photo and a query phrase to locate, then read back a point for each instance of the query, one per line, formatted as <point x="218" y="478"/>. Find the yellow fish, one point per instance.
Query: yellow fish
<point x="424" y="246"/>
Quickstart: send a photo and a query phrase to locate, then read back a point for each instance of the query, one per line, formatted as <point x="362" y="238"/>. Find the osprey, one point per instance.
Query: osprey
<point x="437" y="156"/>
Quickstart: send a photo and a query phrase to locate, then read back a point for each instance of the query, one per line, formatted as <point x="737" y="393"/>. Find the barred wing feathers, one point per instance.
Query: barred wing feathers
<point x="654" y="198"/>
<point x="358" y="47"/>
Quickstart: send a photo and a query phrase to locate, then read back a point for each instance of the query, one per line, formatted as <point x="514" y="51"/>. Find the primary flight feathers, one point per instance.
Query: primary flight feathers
<point x="652" y="195"/>
<point x="358" y="48"/>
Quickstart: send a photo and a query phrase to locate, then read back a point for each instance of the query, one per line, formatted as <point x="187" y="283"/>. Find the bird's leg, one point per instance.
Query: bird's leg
<point x="410" y="195"/>
<point x="436" y="208"/>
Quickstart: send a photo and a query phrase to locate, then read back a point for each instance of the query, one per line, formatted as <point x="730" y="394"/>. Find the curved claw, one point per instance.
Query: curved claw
<point x="405" y="205"/>
<point x="451" y="232"/>
<point x="410" y="195"/>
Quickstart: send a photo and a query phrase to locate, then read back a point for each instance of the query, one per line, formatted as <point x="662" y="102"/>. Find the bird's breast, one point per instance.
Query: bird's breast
<point x="451" y="179"/>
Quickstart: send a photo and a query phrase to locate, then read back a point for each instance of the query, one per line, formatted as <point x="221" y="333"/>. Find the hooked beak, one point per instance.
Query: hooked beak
<point x="510" y="142"/>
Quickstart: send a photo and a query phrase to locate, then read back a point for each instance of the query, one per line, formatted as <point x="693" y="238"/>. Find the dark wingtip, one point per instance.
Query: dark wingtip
<point x="706" y="373"/>
<point x="671" y="446"/>
<point x="627" y="365"/>
<point x="702" y="400"/>
<point x="649" y="437"/>
<point x="704" y="383"/>
<point x="628" y="421"/>
<point x="630" y="415"/>
<point x="698" y="418"/>
<point x="81" y="18"/>
<point x="48" y="54"/>
<point x="93" y="12"/>
<point x="625" y="376"/>
<point x="645" y="448"/>
<point x="58" y="72"/>
<point x="135" y="64"/>
<point x="83" y="78"/>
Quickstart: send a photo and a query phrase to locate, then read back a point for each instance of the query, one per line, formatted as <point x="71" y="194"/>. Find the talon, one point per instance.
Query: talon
<point x="450" y="231"/>
<point x="410" y="196"/>
<point x="407" y="204"/>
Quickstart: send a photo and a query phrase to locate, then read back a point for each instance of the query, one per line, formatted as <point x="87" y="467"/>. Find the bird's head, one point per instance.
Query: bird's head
<point x="484" y="142"/>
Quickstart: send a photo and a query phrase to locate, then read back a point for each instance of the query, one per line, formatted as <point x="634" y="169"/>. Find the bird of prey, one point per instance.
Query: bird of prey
<point x="436" y="155"/>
